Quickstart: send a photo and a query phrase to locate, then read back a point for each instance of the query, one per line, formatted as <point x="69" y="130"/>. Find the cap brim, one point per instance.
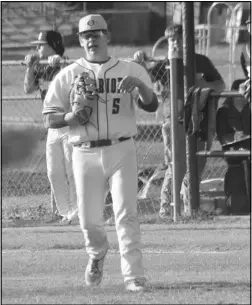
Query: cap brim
<point x="86" y="31"/>
<point x="38" y="42"/>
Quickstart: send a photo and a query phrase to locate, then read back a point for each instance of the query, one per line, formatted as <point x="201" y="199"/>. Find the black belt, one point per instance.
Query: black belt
<point x="100" y="143"/>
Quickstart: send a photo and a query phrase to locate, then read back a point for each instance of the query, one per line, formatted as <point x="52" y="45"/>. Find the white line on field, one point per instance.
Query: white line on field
<point x="26" y="278"/>
<point x="146" y="251"/>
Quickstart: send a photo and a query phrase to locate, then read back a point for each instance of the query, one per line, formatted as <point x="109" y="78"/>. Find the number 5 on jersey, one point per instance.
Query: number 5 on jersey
<point x="116" y="106"/>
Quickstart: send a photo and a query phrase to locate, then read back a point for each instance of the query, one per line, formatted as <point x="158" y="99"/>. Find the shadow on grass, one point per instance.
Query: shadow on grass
<point x="238" y="223"/>
<point x="207" y="286"/>
<point x="66" y="247"/>
<point x="110" y="288"/>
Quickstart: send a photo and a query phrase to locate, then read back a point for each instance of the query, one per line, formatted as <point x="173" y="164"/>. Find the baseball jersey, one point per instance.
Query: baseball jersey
<point x="43" y="75"/>
<point x="113" y="113"/>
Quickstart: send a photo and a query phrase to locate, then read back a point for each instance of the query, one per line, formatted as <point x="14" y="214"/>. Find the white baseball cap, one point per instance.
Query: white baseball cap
<point x="92" y="22"/>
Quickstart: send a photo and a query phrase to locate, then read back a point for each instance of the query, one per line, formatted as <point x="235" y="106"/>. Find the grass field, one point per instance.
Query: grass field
<point x="195" y="263"/>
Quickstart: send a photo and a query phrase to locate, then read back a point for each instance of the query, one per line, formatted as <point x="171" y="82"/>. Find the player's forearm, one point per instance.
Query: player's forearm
<point x="57" y="120"/>
<point x="29" y="81"/>
<point x="148" y="100"/>
<point x="146" y="94"/>
<point x="225" y="138"/>
<point x="217" y="85"/>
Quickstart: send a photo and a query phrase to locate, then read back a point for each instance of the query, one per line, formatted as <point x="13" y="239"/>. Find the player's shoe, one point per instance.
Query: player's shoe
<point x="55" y="218"/>
<point x="94" y="271"/>
<point x="67" y="219"/>
<point x="136" y="285"/>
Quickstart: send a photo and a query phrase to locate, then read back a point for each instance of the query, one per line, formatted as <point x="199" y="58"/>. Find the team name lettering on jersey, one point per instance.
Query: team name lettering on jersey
<point x="109" y="85"/>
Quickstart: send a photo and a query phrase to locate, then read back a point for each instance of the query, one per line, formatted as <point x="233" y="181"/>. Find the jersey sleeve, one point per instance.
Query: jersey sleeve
<point x="139" y="72"/>
<point x="57" y="96"/>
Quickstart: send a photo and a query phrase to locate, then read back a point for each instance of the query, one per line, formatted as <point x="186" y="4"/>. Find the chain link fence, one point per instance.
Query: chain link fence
<point x="29" y="179"/>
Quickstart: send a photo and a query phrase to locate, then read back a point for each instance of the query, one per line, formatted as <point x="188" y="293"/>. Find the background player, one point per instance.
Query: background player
<point x="58" y="150"/>
<point x="104" y="149"/>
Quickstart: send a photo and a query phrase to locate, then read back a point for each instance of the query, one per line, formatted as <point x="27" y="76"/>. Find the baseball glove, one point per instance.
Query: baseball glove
<point x="82" y="94"/>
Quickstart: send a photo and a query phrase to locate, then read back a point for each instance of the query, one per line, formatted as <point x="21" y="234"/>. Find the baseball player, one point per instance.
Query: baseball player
<point x="58" y="150"/>
<point x="100" y="110"/>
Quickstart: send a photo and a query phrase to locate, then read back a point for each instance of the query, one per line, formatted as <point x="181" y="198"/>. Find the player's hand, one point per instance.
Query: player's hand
<point x="31" y="59"/>
<point x="54" y="60"/>
<point x="128" y="84"/>
<point x="139" y="56"/>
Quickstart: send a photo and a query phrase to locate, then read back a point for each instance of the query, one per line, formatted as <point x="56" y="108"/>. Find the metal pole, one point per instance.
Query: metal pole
<point x="209" y="22"/>
<point x="220" y="153"/>
<point x="54" y="17"/>
<point x="211" y="121"/>
<point x="227" y="94"/>
<point x="189" y="81"/>
<point x="175" y="56"/>
<point x="235" y="38"/>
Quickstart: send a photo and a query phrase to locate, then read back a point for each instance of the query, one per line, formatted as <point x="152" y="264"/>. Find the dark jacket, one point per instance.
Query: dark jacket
<point x="196" y="112"/>
<point x="228" y="121"/>
<point x="202" y="64"/>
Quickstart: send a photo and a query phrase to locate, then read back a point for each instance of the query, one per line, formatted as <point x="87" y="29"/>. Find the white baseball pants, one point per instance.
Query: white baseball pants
<point x="93" y="169"/>
<point x="60" y="172"/>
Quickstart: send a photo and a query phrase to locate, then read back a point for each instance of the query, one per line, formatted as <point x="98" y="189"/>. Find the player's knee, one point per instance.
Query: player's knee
<point x="126" y="216"/>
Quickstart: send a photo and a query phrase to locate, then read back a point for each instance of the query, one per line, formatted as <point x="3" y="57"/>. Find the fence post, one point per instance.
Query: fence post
<point x="177" y="104"/>
<point x="54" y="17"/>
<point x="189" y="81"/>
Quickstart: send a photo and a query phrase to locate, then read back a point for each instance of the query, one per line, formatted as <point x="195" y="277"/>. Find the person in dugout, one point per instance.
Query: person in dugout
<point x="233" y="129"/>
<point x="207" y="77"/>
